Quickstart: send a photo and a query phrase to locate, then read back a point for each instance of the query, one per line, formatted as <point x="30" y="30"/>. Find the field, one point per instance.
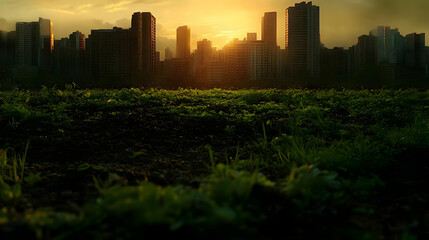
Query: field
<point x="248" y="164"/>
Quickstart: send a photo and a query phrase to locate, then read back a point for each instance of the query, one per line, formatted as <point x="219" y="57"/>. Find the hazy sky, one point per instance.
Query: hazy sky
<point x="342" y="21"/>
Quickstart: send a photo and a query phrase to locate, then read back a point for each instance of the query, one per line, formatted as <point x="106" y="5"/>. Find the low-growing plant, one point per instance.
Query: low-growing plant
<point x="12" y="174"/>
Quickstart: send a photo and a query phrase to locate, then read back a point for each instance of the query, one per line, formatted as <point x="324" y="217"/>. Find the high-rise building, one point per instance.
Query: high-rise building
<point x="168" y="54"/>
<point x="427" y="60"/>
<point x="7" y="53"/>
<point x="142" y="47"/>
<point x="214" y="69"/>
<point x="391" y="45"/>
<point x="27" y="45"/>
<point x="183" y="42"/>
<point x="302" y="40"/>
<point x="257" y="61"/>
<point x="109" y="51"/>
<point x="204" y="51"/>
<point x="236" y="57"/>
<point x="3" y="49"/>
<point x="77" y="41"/>
<point x="415" y="51"/>
<point x="366" y="51"/>
<point x="34" y="45"/>
<point x="252" y="37"/>
<point x="69" y="56"/>
<point x="203" y="55"/>
<point x="269" y="29"/>
<point x="46" y="44"/>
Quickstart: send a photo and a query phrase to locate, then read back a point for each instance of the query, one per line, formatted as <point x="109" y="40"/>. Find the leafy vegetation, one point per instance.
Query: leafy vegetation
<point x="253" y="164"/>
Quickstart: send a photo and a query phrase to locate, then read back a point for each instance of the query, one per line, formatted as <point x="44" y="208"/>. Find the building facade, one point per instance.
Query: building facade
<point x="415" y="51"/>
<point x="183" y="42"/>
<point x="110" y="58"/>
<point x="269" y="29"/>
<point x="142" y="43"/>
<point x="302" y="40"/>
<point x="391" y="45"/>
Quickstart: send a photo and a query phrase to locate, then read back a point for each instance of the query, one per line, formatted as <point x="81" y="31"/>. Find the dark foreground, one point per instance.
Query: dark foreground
<point x="256" y="164"/>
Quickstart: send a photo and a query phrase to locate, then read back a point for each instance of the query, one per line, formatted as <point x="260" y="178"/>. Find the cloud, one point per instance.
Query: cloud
<point x="118" y="6"/>
<point x="59" y="11"/>
<point x="84" y="6"/>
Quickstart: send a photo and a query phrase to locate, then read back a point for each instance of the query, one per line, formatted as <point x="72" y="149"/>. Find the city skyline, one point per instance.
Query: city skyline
<point x="341" y="21"/>
<point x="121" y="57"/>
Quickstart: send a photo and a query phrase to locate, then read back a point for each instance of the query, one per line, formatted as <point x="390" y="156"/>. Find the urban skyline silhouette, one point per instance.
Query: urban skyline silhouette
<point x="122" y="57"/>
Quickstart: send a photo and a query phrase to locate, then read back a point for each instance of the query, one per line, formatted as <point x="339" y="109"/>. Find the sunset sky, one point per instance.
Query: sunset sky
<point x="342" y="21"/>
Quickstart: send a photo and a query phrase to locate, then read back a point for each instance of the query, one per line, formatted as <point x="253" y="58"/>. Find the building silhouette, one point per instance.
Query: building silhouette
<point x="7" y="49"/>
<point x="367" y="51"/>
<point x="34" y="46"/>
<point x="391" y="45"/>
<point x="269" y="37"/>
<point x="257" y="61"/>
<point x="236" y="63"/>
<point x="27" y="46"/>
<point x="415" y="50"/>
<point x="3" y="49"/>
<point x="46" y="44"/>
<point x="183" y="42"/>
<point x="142" y="43"/>
<point x="109" y="57"/>
<point x="69" y="58"/>
<point x="252" y="37"/>
<point x="203" y="55"/>
<point x="302" y="40"/>
<point x="215" y="69"/>
<point x="7" y="54"/>
<point x="269" y="29"/>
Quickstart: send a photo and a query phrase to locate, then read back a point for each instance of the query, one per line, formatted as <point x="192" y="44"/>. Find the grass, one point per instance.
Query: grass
<point x="252" y="164"/>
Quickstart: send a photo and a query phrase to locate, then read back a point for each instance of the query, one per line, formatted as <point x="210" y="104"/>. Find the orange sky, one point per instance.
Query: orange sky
<point x="342" y="21"/>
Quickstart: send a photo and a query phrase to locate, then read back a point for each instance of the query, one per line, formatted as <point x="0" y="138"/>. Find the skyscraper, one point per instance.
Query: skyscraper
<point x="302" y="40"/>
<point x="109" y="51"/>
<point x="269" y="29"/>
<point x="69" y="56"/>
<point x="77" y="41"/>
<point x="34" y="45"/>
<point x="415" y="52"/>
<point x="183" y="42"/>
<point x="366" y="51"/>
<point x="3" y="49"/>
<point x="27" y="47"/>
<point x="203" y="55"/>
<point x="391" y="45"/>
<point x="236" y="56"/>
<point x="257" y="61"/>
<point x="46" y="44"/>
<point x="142" y="47"/>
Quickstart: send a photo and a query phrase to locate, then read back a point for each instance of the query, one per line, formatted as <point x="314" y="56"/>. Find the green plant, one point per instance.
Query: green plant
<point x="12" y="168"/>
<point x="12" y="174"/>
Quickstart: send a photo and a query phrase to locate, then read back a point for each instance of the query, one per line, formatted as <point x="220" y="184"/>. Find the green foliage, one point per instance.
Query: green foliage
<point x="12" y="175"/>
<point x="313" y="150"/>
<point x="229" y="187"/>
<point x="12" y="168"/>
<point x="309" y="187"/>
